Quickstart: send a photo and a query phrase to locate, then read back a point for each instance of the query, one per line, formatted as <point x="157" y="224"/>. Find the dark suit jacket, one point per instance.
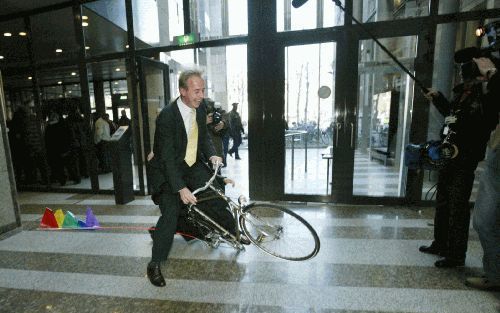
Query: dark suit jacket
<point x="167" y="167"/>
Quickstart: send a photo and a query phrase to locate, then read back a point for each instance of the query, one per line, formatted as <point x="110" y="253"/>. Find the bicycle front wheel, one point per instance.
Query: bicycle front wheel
<point x="279" y="232"/>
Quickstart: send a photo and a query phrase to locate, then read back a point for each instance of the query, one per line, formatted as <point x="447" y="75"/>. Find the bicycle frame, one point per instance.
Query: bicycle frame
<point x="236" y="209"/>
<point x="254" y="223"/>
<point x="267" y="231"/>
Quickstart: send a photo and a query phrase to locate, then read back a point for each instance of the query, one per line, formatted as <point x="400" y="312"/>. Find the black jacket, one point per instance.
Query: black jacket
<point x="167" y="167"/>
<point x="477" y="115"/>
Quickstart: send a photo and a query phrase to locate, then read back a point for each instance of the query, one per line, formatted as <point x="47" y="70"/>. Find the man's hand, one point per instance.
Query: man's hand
<point x="210" y="118"/>
<point x="431" y="94"/>
<point x="485" y="66"/>
<point x="187" y="196"/>
<point x="150" y="156"/>
<point x="215" y="159"/>
<point x="219" y="126"/>
<point x="228" y="181"/>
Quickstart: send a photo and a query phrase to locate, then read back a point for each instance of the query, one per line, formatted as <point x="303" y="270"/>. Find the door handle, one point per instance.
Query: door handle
<point x="352" y="135"/>
<point x="337" y="130"/>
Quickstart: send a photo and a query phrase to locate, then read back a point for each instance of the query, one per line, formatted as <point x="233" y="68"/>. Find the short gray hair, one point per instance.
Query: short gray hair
<point x="185" y="75"/>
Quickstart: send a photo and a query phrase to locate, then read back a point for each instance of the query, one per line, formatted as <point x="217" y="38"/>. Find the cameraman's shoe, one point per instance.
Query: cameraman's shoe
<point x="449" y="263"/>
<point x="432" y="249"/>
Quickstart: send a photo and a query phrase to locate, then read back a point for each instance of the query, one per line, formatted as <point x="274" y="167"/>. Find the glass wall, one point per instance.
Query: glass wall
<point x="385" y="10"/>
<point x="467" y="5"/>
<point x="309" y="109"/>
<point x="385" y="102"/>
<point x="219" y="18"/>
<point x="308" y="16"/>
<point x="156" y="22"/>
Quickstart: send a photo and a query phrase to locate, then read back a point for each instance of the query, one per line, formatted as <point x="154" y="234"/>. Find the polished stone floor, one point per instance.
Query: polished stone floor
<point x="368" y="262"/>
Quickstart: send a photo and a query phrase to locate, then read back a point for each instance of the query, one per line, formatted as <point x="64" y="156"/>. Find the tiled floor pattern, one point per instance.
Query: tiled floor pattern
<point x="368" y="262"/>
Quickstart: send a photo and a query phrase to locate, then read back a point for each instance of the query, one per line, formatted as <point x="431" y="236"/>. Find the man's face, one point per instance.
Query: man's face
<point x="194" y="93"/>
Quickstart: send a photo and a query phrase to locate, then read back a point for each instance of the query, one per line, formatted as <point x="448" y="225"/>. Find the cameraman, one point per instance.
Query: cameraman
<point x="217" y="126"/>
<point x="469" y="119"/>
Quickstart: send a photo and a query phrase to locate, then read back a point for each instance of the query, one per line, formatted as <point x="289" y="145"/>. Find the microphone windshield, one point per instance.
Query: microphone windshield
<point x="298" y="3"/>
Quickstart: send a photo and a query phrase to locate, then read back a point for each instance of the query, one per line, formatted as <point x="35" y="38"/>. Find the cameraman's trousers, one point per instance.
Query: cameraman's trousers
<point x="452" y="218"/>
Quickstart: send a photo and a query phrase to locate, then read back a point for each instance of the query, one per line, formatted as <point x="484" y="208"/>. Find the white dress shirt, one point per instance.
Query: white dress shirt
<point x="186" y="113"/>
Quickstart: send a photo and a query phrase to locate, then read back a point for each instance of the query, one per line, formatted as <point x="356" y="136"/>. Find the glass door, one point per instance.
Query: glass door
<point x="309" y="116"/>
<point x="155" y="94"/>
<point x="385" y="102"/>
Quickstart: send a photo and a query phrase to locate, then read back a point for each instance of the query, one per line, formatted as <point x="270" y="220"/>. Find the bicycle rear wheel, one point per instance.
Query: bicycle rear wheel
<point x="279" y="232"/>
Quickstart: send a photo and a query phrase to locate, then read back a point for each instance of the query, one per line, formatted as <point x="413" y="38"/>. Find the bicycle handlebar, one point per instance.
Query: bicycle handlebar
<point x="217" y="166"/>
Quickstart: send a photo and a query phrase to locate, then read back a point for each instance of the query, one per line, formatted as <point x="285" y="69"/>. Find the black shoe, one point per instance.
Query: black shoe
<point x="237" y="158"/>
<point x="230" y="154"/>
<point x="188" y="238"/>
<point x="432" y="249"/>
<point x="154" y="274"/>
<point x="449" y="263"/>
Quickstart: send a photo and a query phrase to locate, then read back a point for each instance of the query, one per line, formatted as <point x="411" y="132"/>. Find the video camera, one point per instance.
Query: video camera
<point x="468" y="67"/>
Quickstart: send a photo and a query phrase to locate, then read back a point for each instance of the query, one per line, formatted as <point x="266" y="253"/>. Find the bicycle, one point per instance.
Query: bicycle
<point x="274" y="229"/>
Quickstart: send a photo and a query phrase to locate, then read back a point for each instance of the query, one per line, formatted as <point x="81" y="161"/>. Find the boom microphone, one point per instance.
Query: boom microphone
<point x="298" y="3"/>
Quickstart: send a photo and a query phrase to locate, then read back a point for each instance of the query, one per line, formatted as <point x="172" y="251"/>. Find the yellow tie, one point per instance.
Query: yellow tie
<point x="192" y="144"/>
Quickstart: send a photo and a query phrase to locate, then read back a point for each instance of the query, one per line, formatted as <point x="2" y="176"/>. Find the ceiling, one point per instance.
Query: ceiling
<point x="54" y="30"/>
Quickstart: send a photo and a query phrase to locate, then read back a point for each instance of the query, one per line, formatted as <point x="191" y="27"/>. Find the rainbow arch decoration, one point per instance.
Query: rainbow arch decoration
<point x="59" y="220"/>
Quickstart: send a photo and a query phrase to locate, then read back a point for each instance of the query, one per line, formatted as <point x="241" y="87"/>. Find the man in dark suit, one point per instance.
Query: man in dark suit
<point x="180" y="141"/>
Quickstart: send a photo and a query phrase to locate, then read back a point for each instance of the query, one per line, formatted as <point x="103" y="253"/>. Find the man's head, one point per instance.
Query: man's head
<point x="191" y="88"/>
<point x="124" y="113"/>
<point x="235" y="106"/>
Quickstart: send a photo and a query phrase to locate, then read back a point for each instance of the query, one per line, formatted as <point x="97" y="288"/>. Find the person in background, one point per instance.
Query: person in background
<point x="102" y="135"/>
<point x="236" y="131"/>
<point x="486" y="218"/>
<point x="124" y="120"/>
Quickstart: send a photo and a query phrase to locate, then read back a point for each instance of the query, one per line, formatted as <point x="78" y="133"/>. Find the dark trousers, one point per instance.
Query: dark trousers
<point x="236" y="143"/>
<point x="452" y="218"/>
<point x="225" y="148"/>
<point x="170" y="207"/>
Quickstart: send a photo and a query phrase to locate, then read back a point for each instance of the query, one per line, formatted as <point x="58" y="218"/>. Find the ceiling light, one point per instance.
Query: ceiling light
<point x="85" y="17"/>
<point x="22" y="33"/>
<point x="70" y="91"/>
<point x="59" y="82"/>
<point x="58" y="50"/>
<point x="30" y="78"/>
<point x="126" y="46"/>
<point x="7" y="34"/>
<point x="85" y="24"/>
<point x="73" y="73"/>
<point x="116" y="83"/>
<point x="87" y="48"/>
<point x="1" y="57"/>
<point x="117" y="69"/>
